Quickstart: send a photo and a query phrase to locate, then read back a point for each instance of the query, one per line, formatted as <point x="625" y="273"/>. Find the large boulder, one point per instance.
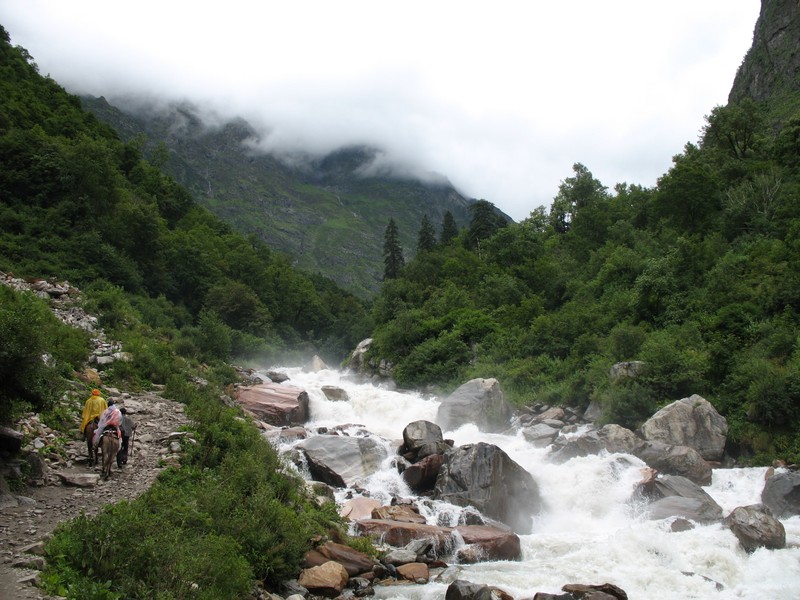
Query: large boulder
<point x="690" y="422"/>
<point x="675" y="460"/>
<point x="422" y="475"/>
<point x="611" y="438"/>
<point x="342" y="461"/>
<point x="755" y="528"/>
<point x="492" y="543"/>
<point x="276" y="404"/>
<point x="465" y="590"/>
<point x="400" y="534"/>
<point x="483" y="476"/>
<point x="676" y="496"/>
<point x="421" y="439"/>
<point x="479" y="401"/>
<point x="357" y="360"/>
<point x="781" y="494"/>
<point x="352" y="560"/>
<point x="328" y="579"/>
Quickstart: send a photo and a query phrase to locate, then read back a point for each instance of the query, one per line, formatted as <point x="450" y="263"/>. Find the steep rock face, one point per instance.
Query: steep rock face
<point x="772" y="65"/>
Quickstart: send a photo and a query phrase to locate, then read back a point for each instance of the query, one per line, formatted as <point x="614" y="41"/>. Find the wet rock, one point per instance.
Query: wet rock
<point x="358" y="508"/>
<point x="280" y="405"/>
<point x="353" y="561"/>
<point x="676" y="496"/>
<point x="755" y="528"/>
<point x="404" y="514"/>
<point x="480" y="402"/>
<point x="328" y="579"/>
<point x="690" y="422"/>
<point x="416" y="572"/>
<point x="611" y="438"/>
<point x="335" y="394"/>
<point x="342" y="461"/>
<point x="675" y="460"/>
<point x="465" y="590"/>
<point x="492" y="543"/>
<point x="421" y="476"/>
<point x="483" y="476"/>
<point x="782" y="494"/>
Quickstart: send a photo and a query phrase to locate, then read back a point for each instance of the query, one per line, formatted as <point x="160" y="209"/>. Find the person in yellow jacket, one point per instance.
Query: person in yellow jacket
<point x="93" y="408"/>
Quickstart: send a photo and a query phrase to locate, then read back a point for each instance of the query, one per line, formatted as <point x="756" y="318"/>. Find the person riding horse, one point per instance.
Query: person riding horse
<point x="92" y="409"/>
<point x="111" y="417"/>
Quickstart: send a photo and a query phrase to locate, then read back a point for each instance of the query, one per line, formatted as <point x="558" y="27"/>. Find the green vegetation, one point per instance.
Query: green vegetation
<point x="699" y="278"/>
<point x="232" y="514"/>
<point x="79" y="204"/>
<point x="184" y="294"/>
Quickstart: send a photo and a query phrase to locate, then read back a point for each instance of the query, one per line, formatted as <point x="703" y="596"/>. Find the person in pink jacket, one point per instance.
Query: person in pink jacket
<point x="111" y="417"/>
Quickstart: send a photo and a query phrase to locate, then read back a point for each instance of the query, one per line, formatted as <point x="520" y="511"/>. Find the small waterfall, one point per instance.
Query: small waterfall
<point x="589" y="531"/>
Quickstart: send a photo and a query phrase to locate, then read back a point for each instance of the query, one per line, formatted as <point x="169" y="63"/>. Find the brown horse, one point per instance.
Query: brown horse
<point x="88" y="434"/>
<point x="109" y="446"/>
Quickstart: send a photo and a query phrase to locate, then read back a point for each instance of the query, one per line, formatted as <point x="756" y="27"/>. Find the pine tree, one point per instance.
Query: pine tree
<point x="485" y="221"/>
<point x="392" y="252"/>
<point x="426" y="239"/>
<point x="449" y="228"/>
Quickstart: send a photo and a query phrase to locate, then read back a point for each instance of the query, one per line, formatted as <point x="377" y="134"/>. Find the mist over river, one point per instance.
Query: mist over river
<point x="588" y="532"/>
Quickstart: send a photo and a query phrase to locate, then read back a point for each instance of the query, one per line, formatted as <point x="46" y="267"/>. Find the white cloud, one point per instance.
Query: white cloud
<point x="501" y="98"/>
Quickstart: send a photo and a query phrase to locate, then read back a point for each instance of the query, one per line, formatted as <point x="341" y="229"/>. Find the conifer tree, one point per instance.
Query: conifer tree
<point x="449" y="228"/>
<point x="392" y="252"/>
<point x="426" y="239"/>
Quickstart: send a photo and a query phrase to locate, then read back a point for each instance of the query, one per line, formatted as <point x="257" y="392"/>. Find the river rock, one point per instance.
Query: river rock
<point x="675" y="460"/>
<point x="416" y="572"/>
<point x="398" y="534"/>
<point x="352" y="560"/>
<point x="673" y="495"/>
<point x="755" y="528"/>
<point x="493" y="543"/>
<point x="604" y="591"/>
<point x="315" y="365"/>
<point x="465" y="590"/>
<point x="399" y="512"/>
<point x="328" y="579"/>
<point x="540" y="434"/>
<point x="280" y="405"/>
<point x="421" y="439"/>
<point x="358" y="508"/>
<point x="611" y="438"/>
<point x="335" y="394"/>
<point x="483" y="476"/>
<point x="781" y="494"/>
<point x="421" y="476"/>
<point x="690" y="422"/>
<point x="480" y="402"/>
<point x="342" y="461"/>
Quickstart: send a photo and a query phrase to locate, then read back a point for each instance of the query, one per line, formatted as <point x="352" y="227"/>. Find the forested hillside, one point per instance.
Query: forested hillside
<point x="327" y="212"/>
<point x="696" y="281"/>
<point x="78" y="203"/>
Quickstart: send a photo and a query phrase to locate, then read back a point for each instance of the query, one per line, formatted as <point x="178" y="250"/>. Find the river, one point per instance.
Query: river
<point x="588" y="532"/>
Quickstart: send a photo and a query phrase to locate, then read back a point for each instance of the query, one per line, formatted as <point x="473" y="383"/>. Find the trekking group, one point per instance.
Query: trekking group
<point x="101" y="417"/>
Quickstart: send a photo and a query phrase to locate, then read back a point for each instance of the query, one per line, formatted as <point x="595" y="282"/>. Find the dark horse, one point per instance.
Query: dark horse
<point x="109" y="446"/>
<point x="88" y="434"/>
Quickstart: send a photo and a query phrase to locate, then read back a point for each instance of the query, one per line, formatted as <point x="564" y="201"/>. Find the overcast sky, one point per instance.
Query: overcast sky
<point x="500" y="97"/>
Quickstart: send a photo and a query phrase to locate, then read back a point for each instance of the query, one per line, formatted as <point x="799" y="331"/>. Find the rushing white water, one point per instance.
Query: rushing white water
<point x="588" y="531"/>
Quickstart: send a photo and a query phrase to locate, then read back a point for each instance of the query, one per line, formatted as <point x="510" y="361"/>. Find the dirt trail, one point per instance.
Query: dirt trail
<point x="43" y="507"/>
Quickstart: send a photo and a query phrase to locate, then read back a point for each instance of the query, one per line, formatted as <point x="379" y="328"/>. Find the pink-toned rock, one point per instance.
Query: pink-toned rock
<point x="416" y="572"/>
<point x="404" y="514"/>
<point x="328" y="579"/>
<point x="359" y="508"/>
<point x="493" y="543"/>
<point x="353" y="561"/>
<point x="281" y="405"/>
<point x="396" y="533"/>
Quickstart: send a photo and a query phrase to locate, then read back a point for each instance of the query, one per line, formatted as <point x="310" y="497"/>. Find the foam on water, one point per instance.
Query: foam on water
<point x="588" y="530"/>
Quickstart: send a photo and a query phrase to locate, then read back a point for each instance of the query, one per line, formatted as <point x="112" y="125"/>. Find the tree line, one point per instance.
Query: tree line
<point x="697" y="277"/>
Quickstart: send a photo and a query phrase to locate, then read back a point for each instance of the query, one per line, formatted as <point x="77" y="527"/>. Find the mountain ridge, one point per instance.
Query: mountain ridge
<point x="329" y="213"/>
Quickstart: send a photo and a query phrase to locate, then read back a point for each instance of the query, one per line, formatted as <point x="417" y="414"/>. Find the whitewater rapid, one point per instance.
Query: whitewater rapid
<point x="588" y="532"/>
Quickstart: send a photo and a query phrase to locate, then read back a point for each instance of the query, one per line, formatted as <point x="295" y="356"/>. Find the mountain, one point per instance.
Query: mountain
<point x="328" y="213"/>
<point x="770" y="72"/>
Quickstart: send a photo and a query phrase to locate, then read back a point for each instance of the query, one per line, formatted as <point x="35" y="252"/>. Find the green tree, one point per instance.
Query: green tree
<point x="392" y="252"/>
<point x="484" y="223"/>
<point x="449" y="228"/>
<point x="426" y="239"/>
<point x="734" y="129"/>
<point x="575" y="194"/>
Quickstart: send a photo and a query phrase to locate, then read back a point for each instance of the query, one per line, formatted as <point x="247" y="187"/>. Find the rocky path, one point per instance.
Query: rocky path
<point x="70" y="487"/>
